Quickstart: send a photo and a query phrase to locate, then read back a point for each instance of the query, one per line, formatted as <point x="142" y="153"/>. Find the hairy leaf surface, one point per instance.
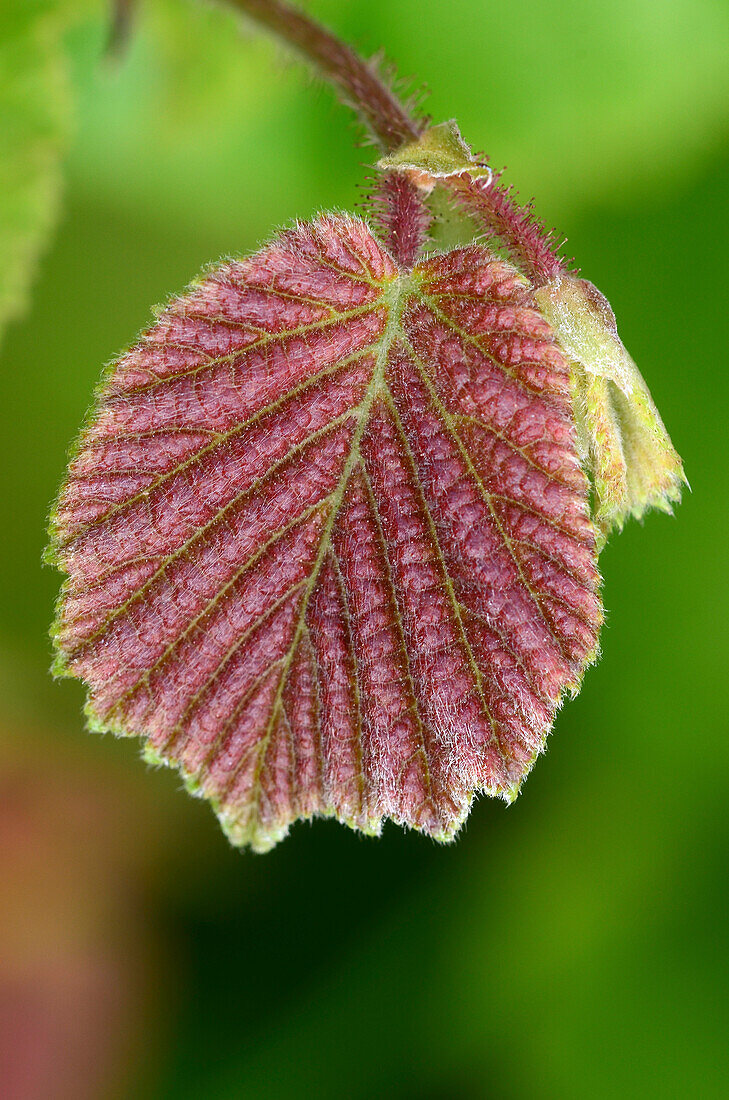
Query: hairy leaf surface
<point x="327" y="537"/>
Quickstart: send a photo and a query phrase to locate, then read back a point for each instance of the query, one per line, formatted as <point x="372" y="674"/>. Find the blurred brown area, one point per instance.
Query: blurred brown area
<point x="81" y="971"/>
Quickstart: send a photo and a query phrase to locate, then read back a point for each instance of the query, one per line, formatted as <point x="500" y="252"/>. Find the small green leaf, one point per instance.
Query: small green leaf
<point x="633" y="463"/>
<point x="439" y="152"/>
<point x="34" y="113"/>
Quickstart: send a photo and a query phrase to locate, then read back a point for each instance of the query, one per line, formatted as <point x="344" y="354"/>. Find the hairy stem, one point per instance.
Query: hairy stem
<point x="531" y="247"/>
<point x="356" y="81"/>
<point x="399" y="209"/>
<point x="402" y="216"/>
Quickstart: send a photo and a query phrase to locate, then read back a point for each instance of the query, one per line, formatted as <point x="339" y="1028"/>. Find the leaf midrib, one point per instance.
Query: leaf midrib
<point x="394" y="297"/>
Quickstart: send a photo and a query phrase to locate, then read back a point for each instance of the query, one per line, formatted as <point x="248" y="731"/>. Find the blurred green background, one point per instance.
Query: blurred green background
<point x="574" y="945"/>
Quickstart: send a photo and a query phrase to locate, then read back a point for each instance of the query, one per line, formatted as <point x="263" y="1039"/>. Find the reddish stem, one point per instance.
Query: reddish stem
<point x="398" y="208"/>
<point x="363" y="90"/>
<point x="402" y="216"/>
<point x="396" y="204"/>
<point x="530" y="246"/>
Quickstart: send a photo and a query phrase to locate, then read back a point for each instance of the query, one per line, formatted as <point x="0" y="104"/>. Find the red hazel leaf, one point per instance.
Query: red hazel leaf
<point x="328" y="540"/>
